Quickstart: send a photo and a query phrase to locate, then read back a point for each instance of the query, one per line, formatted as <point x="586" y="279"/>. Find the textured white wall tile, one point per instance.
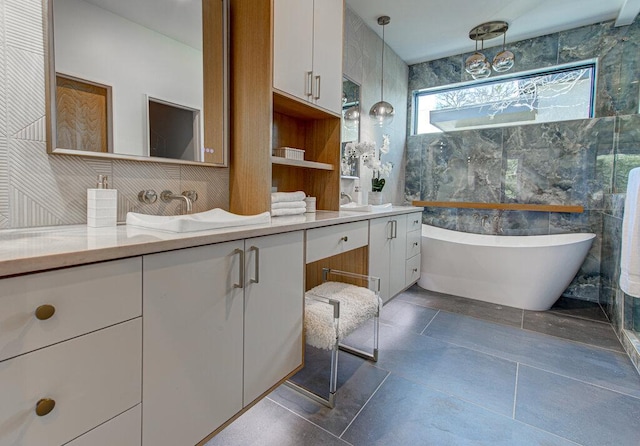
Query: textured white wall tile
<point x="4" y="184"/>
<point x="25" y="89"/>
<point x="23" y="25"/>
<point x="212" y="186"/>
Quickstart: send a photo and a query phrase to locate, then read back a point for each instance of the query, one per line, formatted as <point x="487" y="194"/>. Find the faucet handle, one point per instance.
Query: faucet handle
<point x="191" y="195"/>
<point x="148" y="196"/>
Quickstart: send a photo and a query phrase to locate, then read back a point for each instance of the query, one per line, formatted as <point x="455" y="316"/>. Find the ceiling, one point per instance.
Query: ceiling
<point x="422" y="30"/>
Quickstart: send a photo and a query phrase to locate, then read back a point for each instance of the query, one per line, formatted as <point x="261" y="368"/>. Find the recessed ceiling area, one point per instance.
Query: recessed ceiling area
<point x="423" y="30"/>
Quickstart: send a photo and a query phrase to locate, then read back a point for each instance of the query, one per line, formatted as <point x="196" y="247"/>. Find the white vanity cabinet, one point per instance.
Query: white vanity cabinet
<point x="222" y="325"/>
<point x="307" y="53"/>
<point x="70" y="339"/>
<point x="389" y="255"/>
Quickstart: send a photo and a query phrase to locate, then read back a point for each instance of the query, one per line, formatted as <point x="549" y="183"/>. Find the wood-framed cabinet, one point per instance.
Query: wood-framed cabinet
<point x="270" y="107"/>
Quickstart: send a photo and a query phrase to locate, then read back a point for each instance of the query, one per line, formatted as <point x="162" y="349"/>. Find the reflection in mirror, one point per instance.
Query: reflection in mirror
<point x="350" y="122"/>
<point x="124" y="69"/>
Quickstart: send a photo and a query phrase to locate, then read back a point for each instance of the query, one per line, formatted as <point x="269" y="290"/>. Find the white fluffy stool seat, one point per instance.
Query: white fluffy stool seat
<point x="357" y="305"/>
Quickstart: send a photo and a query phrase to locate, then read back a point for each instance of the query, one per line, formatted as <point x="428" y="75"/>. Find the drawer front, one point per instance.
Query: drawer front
<point x="413" y="243"/>
<point x="91" y="378"/>
<point x="123" y="430"/>
<point x="85" y="298"/>
<point x="332" y="240"/>
<point x="414" y="221"/>
<point x="413" y="270"/>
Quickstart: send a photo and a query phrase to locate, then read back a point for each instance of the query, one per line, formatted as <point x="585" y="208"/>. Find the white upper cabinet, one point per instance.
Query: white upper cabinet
<point x="308" y="50"/>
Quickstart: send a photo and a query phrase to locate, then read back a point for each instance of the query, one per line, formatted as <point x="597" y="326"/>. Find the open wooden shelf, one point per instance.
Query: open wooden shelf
<point x="501" y="206"/>
<point x="300" y="163"/>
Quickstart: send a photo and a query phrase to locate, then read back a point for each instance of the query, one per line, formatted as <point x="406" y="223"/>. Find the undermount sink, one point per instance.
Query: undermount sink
<point x="201" y="221"/>
<point x="364" y="207"/>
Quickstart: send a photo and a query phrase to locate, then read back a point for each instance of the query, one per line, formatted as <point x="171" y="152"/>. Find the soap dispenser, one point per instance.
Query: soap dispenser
<point x="102" y="204"/>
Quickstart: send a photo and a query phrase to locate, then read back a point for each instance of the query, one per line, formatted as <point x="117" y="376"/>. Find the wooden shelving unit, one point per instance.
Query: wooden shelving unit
<point x="301" y="163"/>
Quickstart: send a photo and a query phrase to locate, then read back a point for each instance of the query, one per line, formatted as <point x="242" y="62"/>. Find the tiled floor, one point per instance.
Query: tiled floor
<point x="454" y="371"/>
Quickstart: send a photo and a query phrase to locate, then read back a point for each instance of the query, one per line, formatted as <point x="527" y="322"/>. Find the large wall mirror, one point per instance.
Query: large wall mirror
<point x="350" y="131"/>
<point x="139" y="79"/>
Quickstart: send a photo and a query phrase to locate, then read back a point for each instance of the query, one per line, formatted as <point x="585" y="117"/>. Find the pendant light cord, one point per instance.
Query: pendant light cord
<point x="382" y="76"/>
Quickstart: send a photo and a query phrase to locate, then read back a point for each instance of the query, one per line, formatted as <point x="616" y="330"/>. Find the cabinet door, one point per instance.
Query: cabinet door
<point x="293" y="47"/>
<point x="192" y="348"/>
<point x="327" y="54"/>
<point x="379" y="251"/>
<point x="398" y="257"/>
<point x="273" y="301"/>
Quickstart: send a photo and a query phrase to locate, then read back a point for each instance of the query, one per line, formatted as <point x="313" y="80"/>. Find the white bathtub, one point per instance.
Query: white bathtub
<point x="528" y="272"/>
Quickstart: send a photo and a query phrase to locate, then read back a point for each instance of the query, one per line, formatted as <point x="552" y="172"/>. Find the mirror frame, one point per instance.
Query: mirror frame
<point x="215" y="92"/>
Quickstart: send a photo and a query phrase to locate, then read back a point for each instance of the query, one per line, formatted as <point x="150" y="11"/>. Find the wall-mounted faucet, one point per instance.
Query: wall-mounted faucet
<point x="347" y="196"/>
<point x="167" y="196"/>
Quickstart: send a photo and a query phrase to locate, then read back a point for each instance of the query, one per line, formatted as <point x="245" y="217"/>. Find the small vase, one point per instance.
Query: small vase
<point x="375" y="198"/>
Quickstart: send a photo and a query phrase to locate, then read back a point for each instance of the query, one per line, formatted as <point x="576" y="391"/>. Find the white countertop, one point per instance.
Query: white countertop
<point x="36" y="249"/>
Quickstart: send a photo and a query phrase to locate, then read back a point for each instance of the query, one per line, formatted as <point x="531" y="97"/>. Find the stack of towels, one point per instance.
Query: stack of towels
<point x="288" y="203"/>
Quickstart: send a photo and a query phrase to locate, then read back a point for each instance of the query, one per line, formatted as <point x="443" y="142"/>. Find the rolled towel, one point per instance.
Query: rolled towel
<point x="279" y="197"/>
<point x="629" y="252"/>
<point x="288" y="205"/>
<point x="289" y="211"/>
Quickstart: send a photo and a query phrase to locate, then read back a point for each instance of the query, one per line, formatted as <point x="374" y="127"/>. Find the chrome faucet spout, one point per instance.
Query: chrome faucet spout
<point x="167" y="196"/>
<point x="347" y="196"/>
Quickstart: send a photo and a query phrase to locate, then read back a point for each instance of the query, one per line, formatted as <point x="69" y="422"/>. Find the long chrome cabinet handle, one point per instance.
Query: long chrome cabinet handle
<point x="241" y="270"/>
<point x="317" y="95"/>
<point x="256" y="264"/>
<point x="394" y="228"/>
<point x="309" y="84"/>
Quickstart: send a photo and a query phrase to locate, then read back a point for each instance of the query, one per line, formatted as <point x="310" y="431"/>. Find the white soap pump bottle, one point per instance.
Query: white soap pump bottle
<point x="102" y="204"/>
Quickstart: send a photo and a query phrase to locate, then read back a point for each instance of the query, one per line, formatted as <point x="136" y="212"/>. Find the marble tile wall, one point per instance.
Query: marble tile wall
<point x="363" y="64"/>
<point x="571" y="162"/>
<point x="583" y="162"/>
<point x="37" y="189"/>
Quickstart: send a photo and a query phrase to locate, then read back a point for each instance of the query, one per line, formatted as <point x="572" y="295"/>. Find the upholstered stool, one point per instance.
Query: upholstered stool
<point x="333" y="310"/>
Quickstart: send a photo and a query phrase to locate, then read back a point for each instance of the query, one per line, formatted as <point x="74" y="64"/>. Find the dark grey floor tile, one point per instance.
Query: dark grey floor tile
<point x="568" y="306"/>
<point x="599" y="334"/>
<point x="404" y="413"/>
<point x="357" y="380"/>
<point x="572" y="409"/>
<point x="598" y="366"/>
<point x="268" y="424"/>
<point x="404" y="314"/>
<point x="500" y="314"/>
<point x="485" y="380"/>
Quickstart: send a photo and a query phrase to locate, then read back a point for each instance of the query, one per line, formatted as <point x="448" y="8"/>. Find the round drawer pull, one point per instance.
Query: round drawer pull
<point x="345" y="238"/>
<point x="415" y="243"/>
<point x="44" y="312"/>
<point x="44" y="406"/>
<point x="415" y="270"/>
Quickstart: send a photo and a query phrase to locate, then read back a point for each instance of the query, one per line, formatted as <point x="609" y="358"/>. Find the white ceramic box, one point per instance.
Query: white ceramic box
<point x="102" y="207"/>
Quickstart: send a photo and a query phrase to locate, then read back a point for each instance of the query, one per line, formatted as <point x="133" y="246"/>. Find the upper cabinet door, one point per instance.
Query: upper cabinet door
<point x="327" y="54"/>
<point x="293" y="47"/>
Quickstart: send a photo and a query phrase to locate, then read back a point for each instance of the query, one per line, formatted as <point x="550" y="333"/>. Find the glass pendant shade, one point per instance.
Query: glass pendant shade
<point x="503" y="61"/>
<point x="477" y="63"/>
<point x="382" y="112"/>
<point x="352" y="117"/>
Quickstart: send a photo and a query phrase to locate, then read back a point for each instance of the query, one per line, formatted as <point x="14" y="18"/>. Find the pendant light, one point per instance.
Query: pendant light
<point x="382" y="112"/>
<point x="477" y="64"/>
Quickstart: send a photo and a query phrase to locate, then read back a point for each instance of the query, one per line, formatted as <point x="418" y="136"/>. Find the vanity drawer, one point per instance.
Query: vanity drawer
<point x="332" y="240"/>
<point x="413" y="270"/>
<point x="414" y="221"/>
<point x="85" y="298"/>
<point x="123" y="430"/>
<point x="413" y="243"/>
<point x="91" y="378"/>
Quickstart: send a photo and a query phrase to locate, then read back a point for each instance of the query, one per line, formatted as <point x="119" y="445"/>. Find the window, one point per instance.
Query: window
<point x="561" y="93"/>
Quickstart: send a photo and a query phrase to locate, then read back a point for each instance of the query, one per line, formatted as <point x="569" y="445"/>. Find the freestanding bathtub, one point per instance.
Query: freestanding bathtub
<point x="528" y="272"/>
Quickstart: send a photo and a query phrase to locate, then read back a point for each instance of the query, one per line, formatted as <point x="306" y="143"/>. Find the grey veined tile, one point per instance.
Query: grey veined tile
<point x="594" y="365"/>
<point x="405" y="413"/>
<point x="584" y="413"/>
<point x="269" y="424"/>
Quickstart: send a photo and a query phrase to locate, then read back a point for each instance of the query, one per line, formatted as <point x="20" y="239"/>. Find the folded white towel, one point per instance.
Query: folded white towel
<point x="630" y="252"/>
<point x="288" y="205"/>
<point x="289" y="211"/>
<point x="278" y="197"/>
